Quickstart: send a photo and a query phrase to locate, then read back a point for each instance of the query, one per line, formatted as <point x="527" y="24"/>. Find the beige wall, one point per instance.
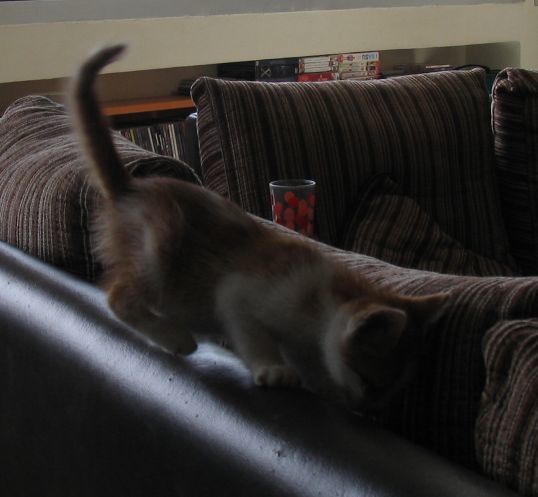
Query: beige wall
<point x="42" y="51"/>
<point x="529" y="36"/>
<point x="79" y="10"/>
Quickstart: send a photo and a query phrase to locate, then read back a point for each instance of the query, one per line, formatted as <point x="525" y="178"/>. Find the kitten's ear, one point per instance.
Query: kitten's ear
<point x="375" y="331"/>
<point x="427" y="309"/>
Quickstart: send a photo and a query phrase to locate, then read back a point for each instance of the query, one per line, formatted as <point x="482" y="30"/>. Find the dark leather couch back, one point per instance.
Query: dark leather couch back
<point x="89" y="409"/>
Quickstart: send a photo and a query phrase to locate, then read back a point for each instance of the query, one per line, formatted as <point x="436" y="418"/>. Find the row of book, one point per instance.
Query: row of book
<point x="162" y="138"/>
<point x="358" y="65"/>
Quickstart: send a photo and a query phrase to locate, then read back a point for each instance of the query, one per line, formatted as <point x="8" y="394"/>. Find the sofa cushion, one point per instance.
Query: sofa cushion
<point x="515" y="125"/>
<point x="439" y="408"/>
<point x="430" y="132"/>
<point x="507" y="425"/>
<point x="46" y="200"/>
<point x="392" y="227"/>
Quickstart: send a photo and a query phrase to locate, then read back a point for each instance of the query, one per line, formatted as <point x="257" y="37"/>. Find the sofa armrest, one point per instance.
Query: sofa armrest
<point x="515" y="129"/>
<point x="47" y="199"/>
<point x="89" y="409"/>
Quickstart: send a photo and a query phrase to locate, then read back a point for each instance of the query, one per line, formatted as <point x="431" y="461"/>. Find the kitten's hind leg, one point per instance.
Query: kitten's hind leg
<point x="132" y="306"/>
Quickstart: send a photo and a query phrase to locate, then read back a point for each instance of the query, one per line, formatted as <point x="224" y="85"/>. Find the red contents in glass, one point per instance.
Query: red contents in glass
<point x="291" y="199"/>
<point x="295" y="213"/>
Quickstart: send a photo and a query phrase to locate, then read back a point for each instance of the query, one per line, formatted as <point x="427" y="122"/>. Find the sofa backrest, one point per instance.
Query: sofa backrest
<point x="430" y="133"/>
<point x="46" y="199"/>
<point x="515" y="127"/>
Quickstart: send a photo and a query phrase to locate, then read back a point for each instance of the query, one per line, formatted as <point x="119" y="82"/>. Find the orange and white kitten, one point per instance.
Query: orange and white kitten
<point x="181" y="260"/>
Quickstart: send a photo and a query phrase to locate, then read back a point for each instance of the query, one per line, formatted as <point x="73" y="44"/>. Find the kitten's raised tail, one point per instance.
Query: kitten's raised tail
<point x="92" y="126"/>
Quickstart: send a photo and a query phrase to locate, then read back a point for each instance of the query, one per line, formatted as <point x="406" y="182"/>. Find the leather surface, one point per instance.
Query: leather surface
<point x="88" y="408"/>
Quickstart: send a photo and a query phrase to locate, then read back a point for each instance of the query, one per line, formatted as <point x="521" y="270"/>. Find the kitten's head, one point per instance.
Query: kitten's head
<point x="372" y="348"/>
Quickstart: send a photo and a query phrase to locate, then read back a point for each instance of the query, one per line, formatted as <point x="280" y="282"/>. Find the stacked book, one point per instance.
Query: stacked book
<point x="320" y="68"/>
<point x="359" y="65"/>
<point x="277" y="70"/>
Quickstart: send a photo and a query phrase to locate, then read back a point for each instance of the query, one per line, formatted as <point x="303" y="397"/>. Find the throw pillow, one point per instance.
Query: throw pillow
<point x="430" y="132"/>
<point x="515" y="126"/>
<point x="46" y="200"/>
<point x="392" y="227"/>
<point x="507" y="423"/>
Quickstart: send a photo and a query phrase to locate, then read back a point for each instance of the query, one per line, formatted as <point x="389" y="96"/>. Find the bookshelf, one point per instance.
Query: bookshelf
<point x="156" y="124"/>
<point x="147" y="105"/>
<point x="142" y="107"/>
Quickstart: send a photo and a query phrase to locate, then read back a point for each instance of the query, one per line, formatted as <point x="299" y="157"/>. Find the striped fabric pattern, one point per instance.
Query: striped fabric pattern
<point x="46" y="200"/>
<point x="507" y="425"/>
<point x="431" y="133"/>
<point x="392" y="227"/>
<point x="515" y="126"/>
<point x="439" y="408"/>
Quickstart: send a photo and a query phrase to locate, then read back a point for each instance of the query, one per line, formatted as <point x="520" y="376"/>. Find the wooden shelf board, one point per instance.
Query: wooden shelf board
<point x="147" y="105"/>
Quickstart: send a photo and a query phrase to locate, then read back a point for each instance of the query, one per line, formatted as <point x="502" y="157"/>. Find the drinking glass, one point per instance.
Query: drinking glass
<point x="293" y="202"/>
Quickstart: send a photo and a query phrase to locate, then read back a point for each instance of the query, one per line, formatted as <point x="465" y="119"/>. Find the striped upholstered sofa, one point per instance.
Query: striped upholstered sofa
<point x="415" y="191"/>
<point x="425" y="183"/>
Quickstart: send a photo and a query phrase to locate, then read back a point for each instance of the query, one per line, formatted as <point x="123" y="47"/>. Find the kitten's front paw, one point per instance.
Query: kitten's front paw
<point x="277" y="375"/>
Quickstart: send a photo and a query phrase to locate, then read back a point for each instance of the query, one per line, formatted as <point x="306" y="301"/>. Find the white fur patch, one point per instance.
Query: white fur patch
<point x="278" y="303"/>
